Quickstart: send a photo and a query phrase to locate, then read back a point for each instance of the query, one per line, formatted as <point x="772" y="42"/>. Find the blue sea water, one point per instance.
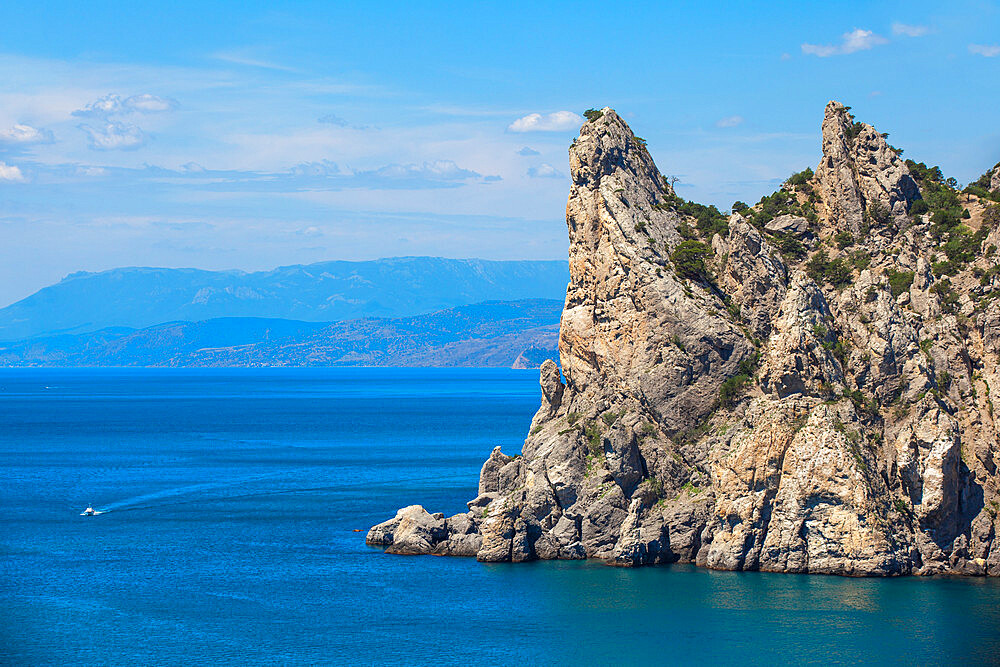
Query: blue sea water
<point x="232" y="502"/>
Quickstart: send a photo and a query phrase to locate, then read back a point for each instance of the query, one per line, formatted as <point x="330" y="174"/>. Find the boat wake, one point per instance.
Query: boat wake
<point x="143" y="501"/>
<point x="147" y="501"/>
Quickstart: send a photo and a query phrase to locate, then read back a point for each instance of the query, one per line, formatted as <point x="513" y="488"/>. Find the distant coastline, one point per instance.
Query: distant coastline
<point x="507" y="334"/>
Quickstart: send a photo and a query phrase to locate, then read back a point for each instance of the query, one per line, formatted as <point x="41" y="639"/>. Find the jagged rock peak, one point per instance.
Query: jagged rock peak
<point x="606" y="145"/>
<point x="861" y="177"/>
<point x="624" y="303"/>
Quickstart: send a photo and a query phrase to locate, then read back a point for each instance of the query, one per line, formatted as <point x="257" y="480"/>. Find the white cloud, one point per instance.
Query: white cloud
<point x="311" y="231"/>
<point x="852" y="42"/>
<point x="528" y="151"/>
<point x="987" y="51"/>
<point x="26" y="134"/>
<point x="544" y="170"/>
<point x="9" y="172"/>
<point x="444" y="170"/>
<point x="321" y="168"/>
<point x="729" y="121"/>
<point x="434" y="171"/>
<point x="114" y="136"/>
<point x="114" y="105"/>
<point x="909" y="30"/>
<point x="91" y="171"/>
<point x="557" y="121"/>
<point x="104" y="106"/>
<point x="147" y="103"/>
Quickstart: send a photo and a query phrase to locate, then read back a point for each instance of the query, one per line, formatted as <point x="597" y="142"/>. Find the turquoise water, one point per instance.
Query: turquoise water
<point x="233" y="497"/>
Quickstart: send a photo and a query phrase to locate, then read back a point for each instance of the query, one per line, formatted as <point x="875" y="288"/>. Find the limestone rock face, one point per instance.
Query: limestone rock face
<point x="995" y="179"/>
<point x="624" y="305"/>
<point x="755" y="277"/>
<point x="766" y="407"/>
<point x="797" y="492"/>
<point x="860" y="173"/>
<point x="796" y="359"/>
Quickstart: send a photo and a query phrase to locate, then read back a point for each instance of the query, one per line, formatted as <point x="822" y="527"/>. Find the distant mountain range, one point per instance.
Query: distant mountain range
<point x="138" y="298"/>
<point x="519" y="333"/>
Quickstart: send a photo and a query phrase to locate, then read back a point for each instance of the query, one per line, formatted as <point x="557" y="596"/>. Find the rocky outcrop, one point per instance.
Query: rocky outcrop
<point x="862" y="180"/>
<point x="766" y="398"/>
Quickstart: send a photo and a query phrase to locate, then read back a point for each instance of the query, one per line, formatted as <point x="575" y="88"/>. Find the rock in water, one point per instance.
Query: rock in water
<point x="792" y="390"/>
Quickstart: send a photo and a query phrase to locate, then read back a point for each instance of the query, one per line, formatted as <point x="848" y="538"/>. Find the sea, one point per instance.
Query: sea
<point x="235" y="505"/>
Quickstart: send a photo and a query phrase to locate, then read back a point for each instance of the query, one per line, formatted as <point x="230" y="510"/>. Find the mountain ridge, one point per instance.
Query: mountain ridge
<point x="324" y="291"/>
<point x="493" y="333"/>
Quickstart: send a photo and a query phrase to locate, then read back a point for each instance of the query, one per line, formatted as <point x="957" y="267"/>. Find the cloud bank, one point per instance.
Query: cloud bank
<point x="851" y="42"/>
<point x="985" y="50"/>
<point x="114" y="135"/>
<point x="114" y="105"/>
<point x="905" y="30"/>
<point x="23" y="135"/>
<point x="544" y="170"/>
<point x="10" y="173"/>
<point x="558" y="121"/>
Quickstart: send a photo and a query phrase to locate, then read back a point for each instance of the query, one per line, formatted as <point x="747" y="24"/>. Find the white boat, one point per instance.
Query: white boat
<point x="90" y="511"/>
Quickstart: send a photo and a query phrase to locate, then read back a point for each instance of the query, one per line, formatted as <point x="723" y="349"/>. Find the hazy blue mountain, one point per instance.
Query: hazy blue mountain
<point x="495" y="333"/>
<point x="322" y="292"/>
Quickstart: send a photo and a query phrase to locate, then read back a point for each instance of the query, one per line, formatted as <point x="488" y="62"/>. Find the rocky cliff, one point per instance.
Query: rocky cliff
<point x="807" y="385"/>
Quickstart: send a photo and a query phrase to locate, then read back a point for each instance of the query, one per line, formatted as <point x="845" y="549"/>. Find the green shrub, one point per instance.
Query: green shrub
<point x="899" y="282"/>
<point x="732" y="387"/>
<point x="843" y="239"/>
<point x="689" y="259"/>
<point x="789" y="246"/>
<point x="944" y="269"/>
<point x="860" y="259"/>
<point x="594" y="444"/>
<point x="816" y="266"/>
<point x="919" y="207"/>
<point x="801" y="178"/>
<point x="991" y="216"/>
<point x="592" y="114"/>
<point x="691" y="488"/>
<point x="836" y="272"/>
<point x="879" y="214"/>
<point x="611" y="417"/>
<point x="853" y="131"/>
<point x="947" y="295"/>
<point x="962" y="245"/>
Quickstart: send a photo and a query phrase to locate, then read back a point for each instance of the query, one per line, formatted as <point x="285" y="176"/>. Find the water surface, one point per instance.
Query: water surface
<point x="233" y="497"/>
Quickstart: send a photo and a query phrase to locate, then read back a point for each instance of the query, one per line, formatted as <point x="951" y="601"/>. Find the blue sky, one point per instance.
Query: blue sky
<point x="240" y="135"/>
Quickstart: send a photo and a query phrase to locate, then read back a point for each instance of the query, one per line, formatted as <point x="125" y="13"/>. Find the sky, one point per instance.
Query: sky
<point x="251" y="135"/>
